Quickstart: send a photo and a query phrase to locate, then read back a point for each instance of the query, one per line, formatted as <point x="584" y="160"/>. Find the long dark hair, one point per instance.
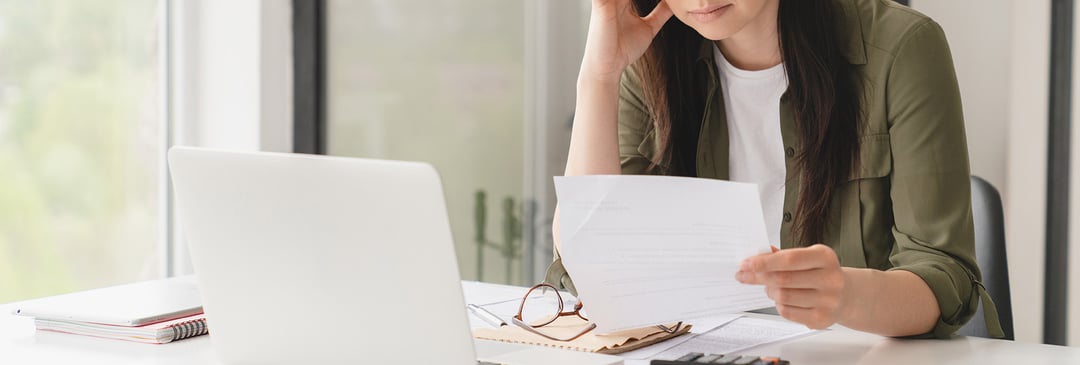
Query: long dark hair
<point x="822" y="90"/>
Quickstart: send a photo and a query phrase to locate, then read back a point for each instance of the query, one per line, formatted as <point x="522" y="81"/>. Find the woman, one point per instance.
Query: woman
<point x="847" y="115"/>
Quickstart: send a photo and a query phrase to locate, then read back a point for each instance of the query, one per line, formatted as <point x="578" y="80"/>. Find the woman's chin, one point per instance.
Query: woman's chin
<point x="715" y="32"/>
<point x="715" y="36"/>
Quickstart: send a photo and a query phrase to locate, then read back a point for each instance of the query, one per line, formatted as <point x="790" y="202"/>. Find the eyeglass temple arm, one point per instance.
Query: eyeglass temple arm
<point x="669" y="329"/>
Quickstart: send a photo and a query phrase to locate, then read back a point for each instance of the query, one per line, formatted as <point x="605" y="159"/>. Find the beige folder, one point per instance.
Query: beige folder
<point x="608" y="343"/>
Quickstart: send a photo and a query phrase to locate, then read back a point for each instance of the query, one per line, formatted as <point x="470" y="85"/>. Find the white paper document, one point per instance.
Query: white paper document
<point x="647" y="250"/>
<point x="736" y="336"/>
<point x="486" y="293"/>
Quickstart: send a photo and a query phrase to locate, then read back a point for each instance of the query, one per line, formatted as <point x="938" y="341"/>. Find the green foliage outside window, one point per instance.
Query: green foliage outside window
<point x="79" y="142"/>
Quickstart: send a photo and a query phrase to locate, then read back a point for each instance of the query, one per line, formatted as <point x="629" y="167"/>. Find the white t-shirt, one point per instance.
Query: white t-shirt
<point x="752" y="100"/>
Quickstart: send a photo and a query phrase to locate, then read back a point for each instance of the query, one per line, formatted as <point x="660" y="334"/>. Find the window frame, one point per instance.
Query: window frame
<point x="309" y="75"/>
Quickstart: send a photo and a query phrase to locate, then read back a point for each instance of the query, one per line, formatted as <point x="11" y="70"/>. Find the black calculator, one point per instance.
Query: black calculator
<point x="700" y="358"/>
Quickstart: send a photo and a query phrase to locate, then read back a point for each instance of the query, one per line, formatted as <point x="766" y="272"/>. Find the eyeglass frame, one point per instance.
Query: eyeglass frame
<point x="518" y="320"/>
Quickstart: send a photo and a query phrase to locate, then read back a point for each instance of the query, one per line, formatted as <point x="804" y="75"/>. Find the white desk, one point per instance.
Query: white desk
<point x="21" y="344"/>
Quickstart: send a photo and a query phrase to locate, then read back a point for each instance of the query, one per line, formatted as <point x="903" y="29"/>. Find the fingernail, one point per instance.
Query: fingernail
<point x="744" y="265"/>
<point x="740" y="276"/>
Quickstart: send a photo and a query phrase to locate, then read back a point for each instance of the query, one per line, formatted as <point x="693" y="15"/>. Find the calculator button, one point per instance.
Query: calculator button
<point x="726" y="359"/>
<point x="745" y="360"/>
<point x="707" y="359"/>
<point x="701" y="358"/>
<point x="690" y="357"/>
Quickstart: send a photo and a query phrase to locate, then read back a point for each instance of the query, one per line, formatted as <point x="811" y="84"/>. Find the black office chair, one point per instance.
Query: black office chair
<point x="990" y="253"/>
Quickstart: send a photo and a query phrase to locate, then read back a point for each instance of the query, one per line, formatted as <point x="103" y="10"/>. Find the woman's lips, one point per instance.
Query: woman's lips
<point x="709" y="13"/>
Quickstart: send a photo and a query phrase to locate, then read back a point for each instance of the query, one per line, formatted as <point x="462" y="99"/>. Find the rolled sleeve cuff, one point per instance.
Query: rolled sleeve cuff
<point x="956" y="296"/>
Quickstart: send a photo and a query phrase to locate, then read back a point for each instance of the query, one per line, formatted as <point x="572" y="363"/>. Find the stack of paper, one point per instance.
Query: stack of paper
<point x="647" y="250"/>
<point x="161" y="332"/>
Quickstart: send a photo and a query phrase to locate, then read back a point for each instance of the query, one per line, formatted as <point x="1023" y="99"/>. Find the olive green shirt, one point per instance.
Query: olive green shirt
<point x="907" y="205"/>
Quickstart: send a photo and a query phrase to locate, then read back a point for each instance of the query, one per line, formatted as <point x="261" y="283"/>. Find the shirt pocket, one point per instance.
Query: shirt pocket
<point x="866" y="211"/>
<point x="875" y="158"/>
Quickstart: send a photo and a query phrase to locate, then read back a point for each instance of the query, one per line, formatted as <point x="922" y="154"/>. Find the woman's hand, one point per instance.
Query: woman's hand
<point x="807" y="284"/>
<point x="618" y="37"/>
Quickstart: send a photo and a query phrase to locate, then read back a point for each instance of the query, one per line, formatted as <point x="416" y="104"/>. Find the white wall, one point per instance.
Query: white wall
<point x="1001" y="52"/>
<point x="275" y="76"/>
<point x="232" y="71"/>
<point x="1025" y="206"/>
<point x="231" y="77"/>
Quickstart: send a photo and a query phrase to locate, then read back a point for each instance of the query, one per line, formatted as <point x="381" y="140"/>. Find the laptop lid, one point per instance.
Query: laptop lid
<point x="315" y="259"/>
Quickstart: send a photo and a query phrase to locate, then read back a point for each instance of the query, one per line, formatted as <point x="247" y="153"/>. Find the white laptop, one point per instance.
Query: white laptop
<point x="314" y="259"/>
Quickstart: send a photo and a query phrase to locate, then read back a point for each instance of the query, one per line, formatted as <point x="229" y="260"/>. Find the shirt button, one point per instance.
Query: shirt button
<point x="787" y="217"/>
<point x="790" y="152"/>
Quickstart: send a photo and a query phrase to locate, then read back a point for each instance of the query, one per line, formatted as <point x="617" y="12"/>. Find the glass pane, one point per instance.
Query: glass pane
<point x="79" y="144"/>
<point x="441" y="82"/>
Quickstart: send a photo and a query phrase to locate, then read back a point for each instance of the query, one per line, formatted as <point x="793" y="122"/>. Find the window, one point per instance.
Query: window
<point x="80" y="144"/>
<point x="460" y="84"/>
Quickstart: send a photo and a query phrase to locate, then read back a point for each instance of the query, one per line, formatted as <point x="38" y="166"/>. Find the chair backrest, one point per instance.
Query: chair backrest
<point x="989" y="221"/>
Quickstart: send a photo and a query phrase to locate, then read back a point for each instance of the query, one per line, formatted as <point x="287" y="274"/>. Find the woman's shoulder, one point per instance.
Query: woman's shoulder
<point x="883" y="25"/>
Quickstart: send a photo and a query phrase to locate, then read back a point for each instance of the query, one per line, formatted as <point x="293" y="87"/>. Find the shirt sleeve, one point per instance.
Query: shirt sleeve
<point x="635" y="127"/>
<point x="930" y="186"/>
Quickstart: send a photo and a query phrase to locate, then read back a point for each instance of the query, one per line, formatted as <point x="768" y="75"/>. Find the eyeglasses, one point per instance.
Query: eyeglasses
<point x="541" y="313"/>
<point x="537" y="312"/>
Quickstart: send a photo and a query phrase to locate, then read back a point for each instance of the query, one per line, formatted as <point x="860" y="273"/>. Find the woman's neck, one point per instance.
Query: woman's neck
<point x="757" y="46"/>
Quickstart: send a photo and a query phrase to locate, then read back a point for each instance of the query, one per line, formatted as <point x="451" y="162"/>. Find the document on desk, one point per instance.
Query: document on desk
<point x="647" y="250"/>
<point x="742" y="334"/>
<point x="739" y="335"/>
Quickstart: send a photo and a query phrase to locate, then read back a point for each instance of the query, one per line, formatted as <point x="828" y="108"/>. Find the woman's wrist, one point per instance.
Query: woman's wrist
<point x="888" y="303"/>
<point x="589" y="78"/>
<point x="858" y="286"/>
<point x="597" y="91"/>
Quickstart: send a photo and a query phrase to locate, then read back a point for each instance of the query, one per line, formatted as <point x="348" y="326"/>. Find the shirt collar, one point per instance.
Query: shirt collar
<point x="856" y="47"/>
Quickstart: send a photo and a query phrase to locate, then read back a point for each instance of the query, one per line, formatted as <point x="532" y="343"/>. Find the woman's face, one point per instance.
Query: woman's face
<point x="720" y="19"/>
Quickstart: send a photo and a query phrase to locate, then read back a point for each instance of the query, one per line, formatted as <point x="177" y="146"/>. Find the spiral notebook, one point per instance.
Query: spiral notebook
<point x="161" y="332"/>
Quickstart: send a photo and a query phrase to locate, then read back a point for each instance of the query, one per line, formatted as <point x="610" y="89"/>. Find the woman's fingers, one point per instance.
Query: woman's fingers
<point x="658" y="17"/>
<point x="802" y="298"/>
<point x="812" y="318"/>
<point x="618" y="36"/>
<point x="816" y="256"/>
<point x="804" y="279"/>
<point x="807" y="284"/>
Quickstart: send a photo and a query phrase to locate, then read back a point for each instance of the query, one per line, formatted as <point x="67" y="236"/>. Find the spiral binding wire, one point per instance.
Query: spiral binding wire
<point x="189" y="329"/>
